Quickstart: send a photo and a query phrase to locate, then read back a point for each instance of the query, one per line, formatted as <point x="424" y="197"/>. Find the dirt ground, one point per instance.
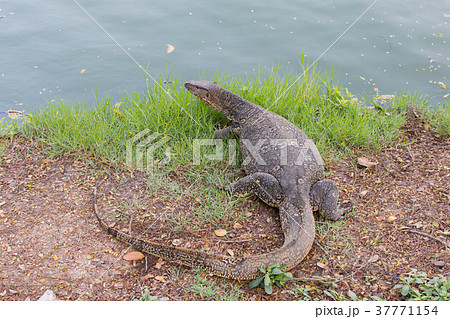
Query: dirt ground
<point x="50" y="240"/>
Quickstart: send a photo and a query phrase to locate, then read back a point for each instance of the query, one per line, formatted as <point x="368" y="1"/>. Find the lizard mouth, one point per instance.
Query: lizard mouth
<point x="199" y="89"/>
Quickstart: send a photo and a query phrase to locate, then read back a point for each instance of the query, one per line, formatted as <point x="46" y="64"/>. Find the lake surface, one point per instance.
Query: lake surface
<point x="52" y="50"/>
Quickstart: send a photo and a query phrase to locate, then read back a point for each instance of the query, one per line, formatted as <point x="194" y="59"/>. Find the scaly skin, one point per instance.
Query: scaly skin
<point x="284" y="169"/>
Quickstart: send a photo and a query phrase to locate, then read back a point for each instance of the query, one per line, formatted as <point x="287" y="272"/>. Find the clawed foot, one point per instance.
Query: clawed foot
<point x="345" y="212"/>
<point x="223" y="133"/>
<point x="226" y="187"/>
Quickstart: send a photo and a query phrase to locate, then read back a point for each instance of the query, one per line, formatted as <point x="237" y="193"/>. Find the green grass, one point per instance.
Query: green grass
<point x="333" y="240"/>
<point x="327" y="113"/>
<point x="214" y="289"/>
<point x="147" y="297"/>
<point x="326" y="290"/>
<point x="437" y="117"/>
<point x="8" y="129"/>
<point x="213" y="206"/>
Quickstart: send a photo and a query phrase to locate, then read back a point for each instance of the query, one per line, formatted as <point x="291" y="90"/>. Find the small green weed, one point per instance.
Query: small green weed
<point x="173" y="273"/>
<point x="3" y="145"/>
<point x="415" y="285"/>
<point x="328" y="291"/>
<point x="147" y="297"/>
<point x="8" y="129"/>
<point x="274" y="274"/>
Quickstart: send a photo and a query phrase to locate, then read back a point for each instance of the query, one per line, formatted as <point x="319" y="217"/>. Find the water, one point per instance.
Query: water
<point x="52" y="50"/>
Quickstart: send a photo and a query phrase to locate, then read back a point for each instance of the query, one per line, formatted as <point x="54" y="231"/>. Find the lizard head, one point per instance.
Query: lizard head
<point x="209" y="92"/>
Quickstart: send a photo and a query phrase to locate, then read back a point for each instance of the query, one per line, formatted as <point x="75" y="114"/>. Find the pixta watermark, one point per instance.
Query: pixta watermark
<point x="141" y="148"/>
<point x="257" y="150"/>
<point x="141" y="151"/>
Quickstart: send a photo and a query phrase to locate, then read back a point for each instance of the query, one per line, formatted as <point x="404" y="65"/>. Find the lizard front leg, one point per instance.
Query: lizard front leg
<point x="224" y="132"/>
<point x="263" y="185"/>
<point x="233" y="127"/>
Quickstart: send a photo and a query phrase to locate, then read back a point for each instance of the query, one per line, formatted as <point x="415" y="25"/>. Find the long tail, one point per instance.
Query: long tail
<point x="242" y="268"/>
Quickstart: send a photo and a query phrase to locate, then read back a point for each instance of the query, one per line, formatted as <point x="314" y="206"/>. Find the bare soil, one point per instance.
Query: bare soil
<point x="49" y="238"/>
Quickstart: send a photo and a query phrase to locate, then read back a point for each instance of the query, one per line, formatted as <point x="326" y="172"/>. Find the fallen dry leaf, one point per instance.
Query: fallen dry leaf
<point x="159" y="263"/>
<point x="373" y="259"/>
<point x="365" y="162"/>
<point x="220" y="232"/>
<point x="237" y="226"/>
<point x="418" y="225"/>
<point x="133" y="255"/>
<point x="148" y="276"/>
<point x="385" y="97"/>
<point x="391" y="218"/>
<point x="170" y="48"/>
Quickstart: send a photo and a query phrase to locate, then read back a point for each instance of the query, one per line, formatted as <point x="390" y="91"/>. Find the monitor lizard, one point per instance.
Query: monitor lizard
<point x="283" y="168"/>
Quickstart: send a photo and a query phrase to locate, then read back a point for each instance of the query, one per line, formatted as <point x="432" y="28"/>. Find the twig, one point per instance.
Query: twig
<point x="234" y="241"/>
<point x="410" y="154"/>
<point x="331" y="280"/>
<point x="129" y="225"/>
<point x="367" y="203"/>
<point x="426" y="235"/>
<point x="66" y="279"/>
<point x="428" y="215"/>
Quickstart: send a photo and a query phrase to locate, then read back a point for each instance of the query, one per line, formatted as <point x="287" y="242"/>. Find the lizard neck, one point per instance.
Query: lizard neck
<point x="234" y="107"/>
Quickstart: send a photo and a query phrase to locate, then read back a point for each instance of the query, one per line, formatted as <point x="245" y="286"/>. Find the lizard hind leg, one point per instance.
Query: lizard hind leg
<point x="324" y="197"/>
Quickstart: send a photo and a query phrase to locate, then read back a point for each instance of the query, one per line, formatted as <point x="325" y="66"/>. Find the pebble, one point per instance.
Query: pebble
<point x="49" y="295"/>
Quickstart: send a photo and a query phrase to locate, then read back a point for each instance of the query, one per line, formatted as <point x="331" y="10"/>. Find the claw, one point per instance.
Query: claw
<point x="346" y="210"/>
<point x="226" y="187"/>
<point x="217" y="186"/>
